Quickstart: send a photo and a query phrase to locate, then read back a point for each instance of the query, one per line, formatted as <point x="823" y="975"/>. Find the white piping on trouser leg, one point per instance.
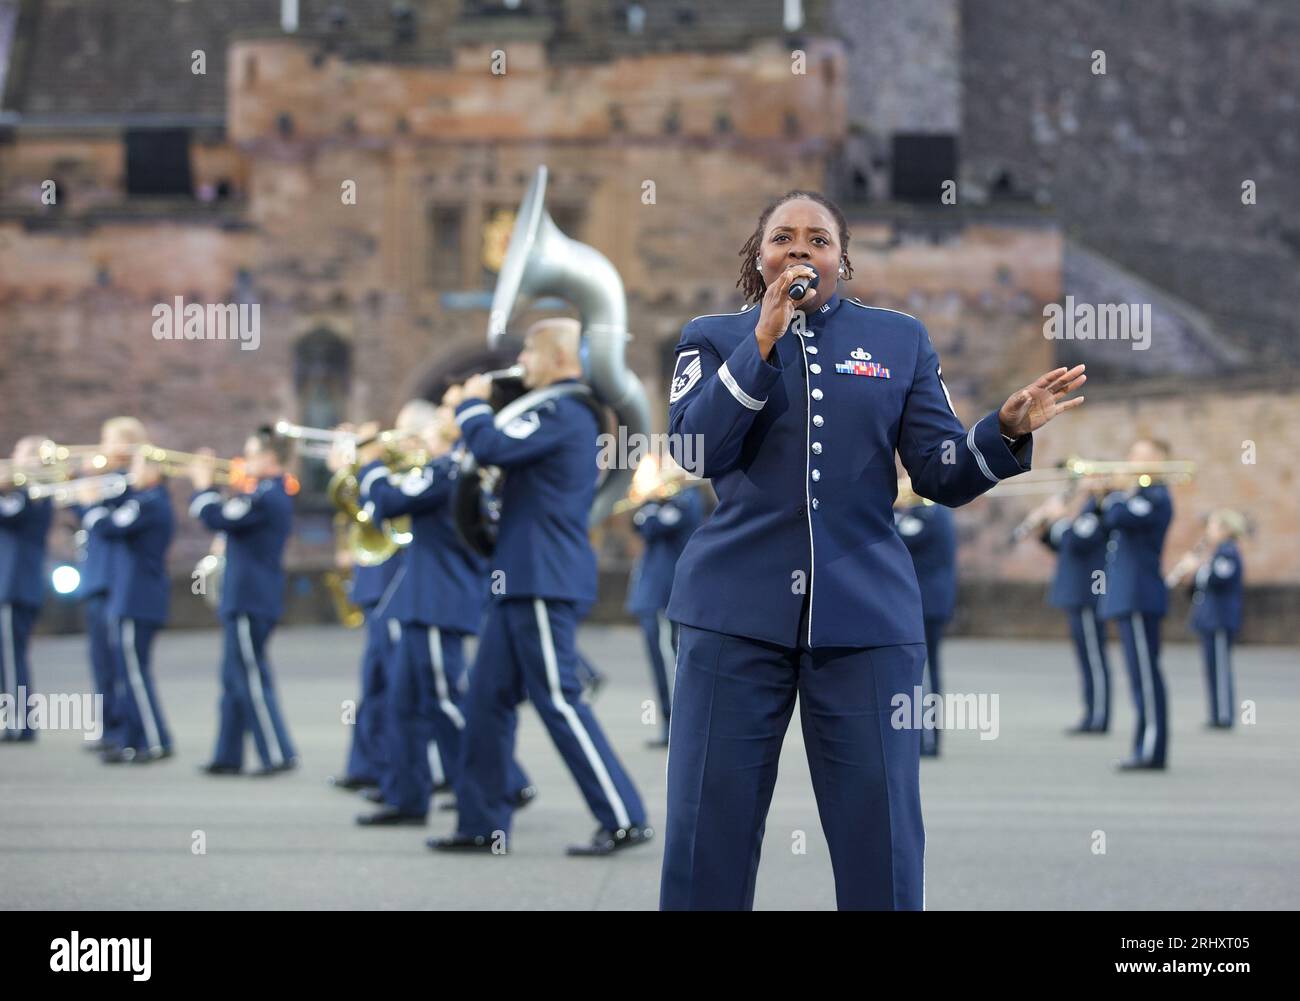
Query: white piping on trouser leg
<point x="440" y="679"/>
<point x="668" y="654"/>
<point x="435" y="764"/>
<point x="1148" y="686"/>
<point x="1222" y="711"/>
<point x="136" y="679"/>
<point x="255" y="689"/>
<point x="572" y="718"/>
<point x="9" y="653"/>
<point x="1094" y="664"/>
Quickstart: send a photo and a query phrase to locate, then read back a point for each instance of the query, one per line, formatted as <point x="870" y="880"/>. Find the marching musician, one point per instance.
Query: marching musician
<point x="137" y="533"/>
<point x="437" y="601"/>
<point x="24" y="525"/>
<point x="1080" y="546"/>
<point x="929" y="532"/>
<point x="256" y="527"/>
<point x="1217" y="599"/>
<point x="1136" y="514"/>
<point x="371" y="588"/>
<point x="546" y="572"/>
<point x="798" y="583"/>
<point x="119" y="438"/>
<point x="664" y="526"/>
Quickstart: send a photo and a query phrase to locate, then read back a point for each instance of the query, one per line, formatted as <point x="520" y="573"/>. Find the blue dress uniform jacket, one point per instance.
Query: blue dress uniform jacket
<point x="94" y="557"/>
<point x="549" y="455"/>
<point x="1136" y="524"/>
<point x="1080" y="547"/>
<point x="24" y="524"/>
<point x="370" y="583"/>
<point x="442" y="581"/>
<point x="257" y="528"/>
<point x="138" y="531"/>
<point x="800" y="448"/>
<point x="1217" y="600"/>
<point x="666" y="527"/>
<point x="930" y="534"/>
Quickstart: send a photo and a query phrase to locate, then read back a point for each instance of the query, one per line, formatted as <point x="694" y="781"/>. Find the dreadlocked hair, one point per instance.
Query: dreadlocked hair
<point x="751" y="283"/>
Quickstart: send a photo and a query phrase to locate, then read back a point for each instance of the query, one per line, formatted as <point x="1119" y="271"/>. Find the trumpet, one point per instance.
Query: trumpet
<point x="82" y="489"/>
<point x="650" y="483"/>
<point x="171" y="462"/>
<point x="314" y="443"/>
<point x="1188" y="562"/>
<point x="53" y="463"/>
<point x="1076" y="471"/>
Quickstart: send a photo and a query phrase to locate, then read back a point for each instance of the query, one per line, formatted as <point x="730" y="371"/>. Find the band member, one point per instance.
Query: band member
<point x="24" y="525"/>
<point x="1216" y="607"/>
<point x="546" y="572"/>
<point x="371" y="591"/>
<point x="930" y="535"/>
<point x="798" y="583"/>
<point x="1136" y="519"/>
<point x="436" y="602"/>
<point x="665" y="526"/>
<point x="1080" y="547"/>
<point x="256" y="527"/>
<point x="138" y="532"/>
<point x="119" y="438"/>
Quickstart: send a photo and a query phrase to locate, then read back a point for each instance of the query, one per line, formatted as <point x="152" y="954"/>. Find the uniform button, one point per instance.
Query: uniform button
<point x="816" y="475"/>
<point x="816" y="394"/>
<point x="815" y="369"/>
<point x="1112" y="546"/>
<point x="815" y="505"/>
<point x="812" y="350"/>
<point x="817" y="448"/>
<point x="818" y="420"/>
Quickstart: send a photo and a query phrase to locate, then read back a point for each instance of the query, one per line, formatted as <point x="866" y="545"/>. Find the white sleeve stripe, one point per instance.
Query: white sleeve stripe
<point x="687" y="354"/>
<point x="741" y="396"/>
<point x="202" y="501"/>
<point x="370" y="477"/>
<point x="979" y="456"/>
<point x="474" y="411"/>
<point x="93" y="515"/>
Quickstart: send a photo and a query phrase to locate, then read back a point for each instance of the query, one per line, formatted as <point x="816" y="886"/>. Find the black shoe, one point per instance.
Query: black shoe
<point x="283" y="766"/>
<point x="929" y="752"/>
<point x="390" y="817"/>
<point x="448" y="806"/>
<point x="373" y="796"/>
<point x="216" y="768"/>
<point x="123" y="756"/>
<point x="1218" y="726"/>
<point x="99" y="746"/>
<point x="658" y="743"/>
<point x="592" y="688"/>
<point x="349" y="784"/>
<point x="442" y="788"/>
<point x="19" y="737"/>
<point x="162" y="754"/>
<point x="523" y="797"/>
<point x="605" y="842"/>
<point x="463" y="843"/>
<point x="1138" y="765"/>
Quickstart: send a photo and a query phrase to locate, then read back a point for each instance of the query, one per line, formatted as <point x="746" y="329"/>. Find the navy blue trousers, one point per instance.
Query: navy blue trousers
<point x="102" y="675"/>
<point x="1089" y="635"/>
<point x="368" y="753"/>
<point x="1216" y="651"/>
<point x="932" y="683"/>
<point x="16" y="622"/>
<point x="661" y="650"/>
<point x="249" y="700"/>
<point x="143" y="725"/>
<point x="731" y="706"/>
<point x="423" y="719"/>
<point x="529" y="645"/>
<point x="1140" y="635"/>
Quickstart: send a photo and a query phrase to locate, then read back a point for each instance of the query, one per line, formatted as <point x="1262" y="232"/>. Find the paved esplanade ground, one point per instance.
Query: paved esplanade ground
<point x="1010" y="821"/>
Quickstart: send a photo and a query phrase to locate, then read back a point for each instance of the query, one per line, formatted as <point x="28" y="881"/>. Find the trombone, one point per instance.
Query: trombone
<point x="53" y="463"/>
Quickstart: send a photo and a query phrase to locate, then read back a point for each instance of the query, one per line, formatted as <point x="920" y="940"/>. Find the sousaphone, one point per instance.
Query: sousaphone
<point x="541" y="261"/>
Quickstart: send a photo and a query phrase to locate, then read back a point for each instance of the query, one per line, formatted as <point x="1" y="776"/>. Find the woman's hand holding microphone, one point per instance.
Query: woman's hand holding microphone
<point x="778" y="308"/>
